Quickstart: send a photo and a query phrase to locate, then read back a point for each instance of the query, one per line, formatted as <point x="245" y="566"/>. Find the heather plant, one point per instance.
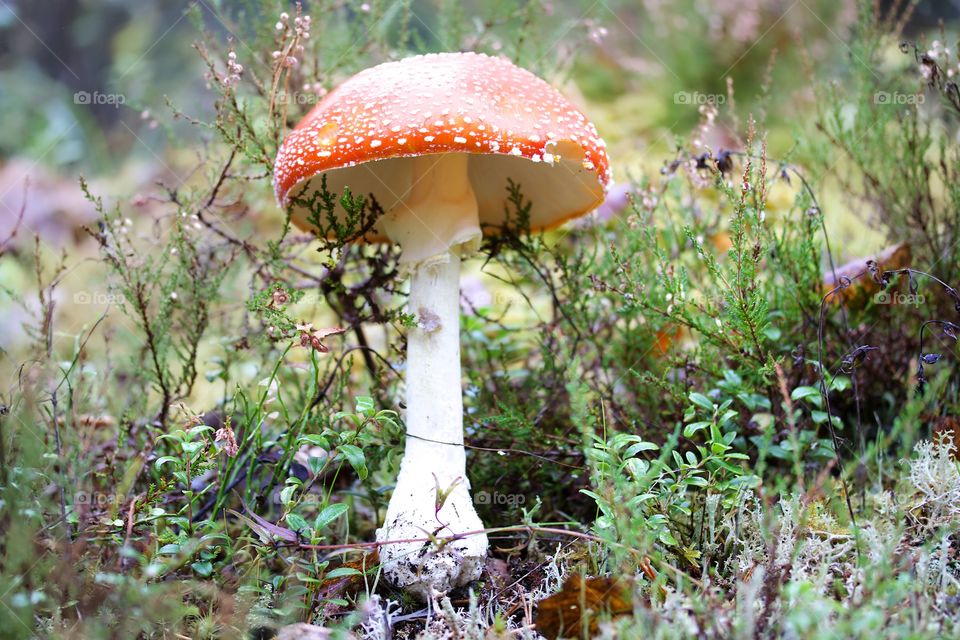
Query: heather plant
<point x="691" y="399"/>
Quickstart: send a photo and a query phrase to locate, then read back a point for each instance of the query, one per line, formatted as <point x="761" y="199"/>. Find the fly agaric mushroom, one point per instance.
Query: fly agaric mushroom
<point x="435" y="139"/>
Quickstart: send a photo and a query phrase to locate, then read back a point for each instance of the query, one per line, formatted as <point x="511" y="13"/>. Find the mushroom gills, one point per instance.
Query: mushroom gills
<point x="565" y="185"/>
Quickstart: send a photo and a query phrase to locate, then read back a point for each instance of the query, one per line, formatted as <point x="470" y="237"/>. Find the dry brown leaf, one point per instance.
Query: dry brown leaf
<point x="498" y="571"/>
<point x="666" y="338"/>
<point x="351" y="585"/>
<point x="899" y="256"/>
<point x="580" y="604"/>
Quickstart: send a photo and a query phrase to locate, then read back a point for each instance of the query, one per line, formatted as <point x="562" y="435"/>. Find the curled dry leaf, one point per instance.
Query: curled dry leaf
<point x="332" y="331"/>
<point x="578" y="607"/>
<point x="313" y="338"/>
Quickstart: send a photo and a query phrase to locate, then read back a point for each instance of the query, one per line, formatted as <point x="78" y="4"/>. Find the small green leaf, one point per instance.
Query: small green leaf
<point x="691" y="429"/>
<point x="364" y="405"/>
<point x="840" y="383"/>
<point x="667" y="538"/>
<point x="805" y="393"/>
<point x="343" y="571"/>
<point x="715" y="434"/>
<point x="191" y="448"/>
<point x="286" y="494"/>
<point x="638" y="447"/>
<point x="354" y="455"/>
<point x="315" y="439"/>
<point x="165" y="459"/>
<point x="329" y="514"/>
<point x="297" y="522"/>
<point x="200" y="428"/>
<point x="702" y="401"/>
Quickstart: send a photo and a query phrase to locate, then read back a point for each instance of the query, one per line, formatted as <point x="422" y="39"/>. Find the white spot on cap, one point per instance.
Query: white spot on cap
<point x="375" y="143"/>
<point x="460" y="140"/>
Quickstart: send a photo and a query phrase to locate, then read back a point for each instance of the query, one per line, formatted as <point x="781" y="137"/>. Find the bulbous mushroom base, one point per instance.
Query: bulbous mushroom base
<point x="423" y="568"/>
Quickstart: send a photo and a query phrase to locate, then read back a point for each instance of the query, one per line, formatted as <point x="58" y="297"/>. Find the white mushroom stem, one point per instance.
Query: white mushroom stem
<point x="436" y="221"/>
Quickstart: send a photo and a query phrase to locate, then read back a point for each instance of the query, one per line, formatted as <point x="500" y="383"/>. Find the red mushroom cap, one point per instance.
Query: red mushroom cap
<point x="514" y="125"/>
